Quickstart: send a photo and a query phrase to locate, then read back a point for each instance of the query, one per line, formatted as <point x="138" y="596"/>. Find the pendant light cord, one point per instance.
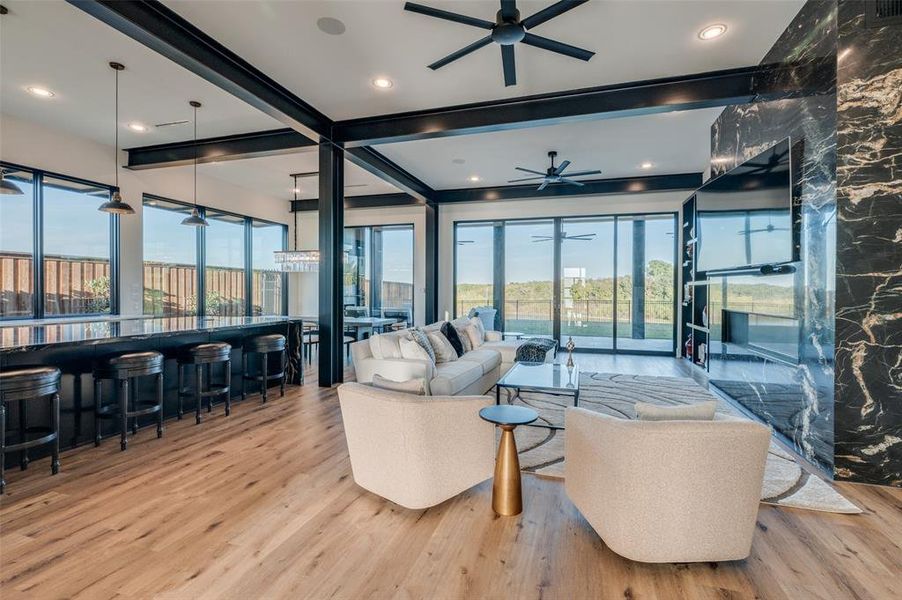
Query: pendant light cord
<point x="116" y="146"/>
<point x="195" y="158"/>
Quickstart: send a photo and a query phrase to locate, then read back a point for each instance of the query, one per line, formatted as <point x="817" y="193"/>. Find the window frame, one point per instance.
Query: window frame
<point x="371" y="250"/>
<point x="201" y="253"/>
<point x="38" y="304"/>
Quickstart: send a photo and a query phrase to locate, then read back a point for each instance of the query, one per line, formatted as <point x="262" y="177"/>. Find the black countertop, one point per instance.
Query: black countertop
<point x="35" y="334"/>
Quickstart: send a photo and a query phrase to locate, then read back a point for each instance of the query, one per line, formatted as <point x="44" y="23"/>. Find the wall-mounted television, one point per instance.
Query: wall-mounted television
<point x="745" y="218"/>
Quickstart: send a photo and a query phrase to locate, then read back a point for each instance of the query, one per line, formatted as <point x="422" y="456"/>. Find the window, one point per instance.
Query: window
<point x="267" y="290"/>
<point x="378" y="271"/>
<point x="17" y="247"/>
<point x="474" y="266"/>
<point x="236" y="269"/>
<point x="529" y="277"/>
<point x="170" y="260"/>
<point x="58" y="253"/>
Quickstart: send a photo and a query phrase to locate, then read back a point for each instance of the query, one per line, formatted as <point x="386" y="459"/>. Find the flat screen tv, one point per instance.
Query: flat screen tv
<point x="744" y="218"/>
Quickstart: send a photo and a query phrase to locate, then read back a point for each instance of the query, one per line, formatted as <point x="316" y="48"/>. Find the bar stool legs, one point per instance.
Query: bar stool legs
<point x="202" y="357"/>
<point x="55" y="426"/>
<point x="23" y="458"/>
<point x="125" y="369"/>
<point x="2" y="445"/>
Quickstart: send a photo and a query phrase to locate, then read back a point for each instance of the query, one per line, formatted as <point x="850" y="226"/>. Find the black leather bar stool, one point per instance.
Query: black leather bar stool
<point x="25" y="385"/>
<point x="203" y="356"/>
<point x="124" y="369"/>
<point x="263" y="345"/>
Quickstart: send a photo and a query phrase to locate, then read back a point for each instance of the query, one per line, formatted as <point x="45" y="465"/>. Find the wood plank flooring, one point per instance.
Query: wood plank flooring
<point x="262" y="505"/>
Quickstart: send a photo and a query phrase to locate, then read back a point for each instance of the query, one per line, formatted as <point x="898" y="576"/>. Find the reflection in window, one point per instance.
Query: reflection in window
<point x="266" y="277"/>
<point x="77" y="275"/>
<point x="378" y="271"/>
<point x="170" y="260"/>
<point x="224" y="276"/>
<point x="396" y="281"/>
<point x="17" y="247"/>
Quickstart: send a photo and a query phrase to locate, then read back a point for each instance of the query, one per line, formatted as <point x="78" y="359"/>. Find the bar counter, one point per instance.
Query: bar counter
<point x="74" y="346"/>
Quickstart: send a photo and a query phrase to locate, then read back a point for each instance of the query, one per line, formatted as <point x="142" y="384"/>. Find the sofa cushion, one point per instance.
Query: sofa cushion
<point x="420" y="337"/>
<point x="507" y="349"/>
<point x="450" y="378"/>
<point x="444" y="351"/>
<point x="411" y="349"/>
<point x="476" y="338"/>
<point x="477" y="322"/>
<point x="411" y="386"/>
<point x="385" y="345"/>
<point x="488" y="359"/>
<point x="702" y="411"/>
<point x="450" y="333"/>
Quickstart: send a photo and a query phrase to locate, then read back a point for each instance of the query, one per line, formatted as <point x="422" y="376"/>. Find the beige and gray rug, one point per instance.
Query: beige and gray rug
<point x="541" y="450"/>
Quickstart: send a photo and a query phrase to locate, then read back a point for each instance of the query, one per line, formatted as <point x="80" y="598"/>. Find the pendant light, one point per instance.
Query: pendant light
<point x="8" y="187"/>
<point x="296" y="260"/>
<point x="195" y="220"/>
<point x="115" y="205"/>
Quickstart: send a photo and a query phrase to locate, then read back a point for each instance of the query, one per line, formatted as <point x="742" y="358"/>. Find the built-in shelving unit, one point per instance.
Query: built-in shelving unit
<point x="694" y="295"/>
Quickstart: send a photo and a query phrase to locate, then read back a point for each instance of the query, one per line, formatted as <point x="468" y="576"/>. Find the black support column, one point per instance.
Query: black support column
<point x="498" y="280"/>
<point x="331" y="234"/>
<point x="638" y="304"/>
<point x="431" y="312"/>
<point x="556" y="284"/>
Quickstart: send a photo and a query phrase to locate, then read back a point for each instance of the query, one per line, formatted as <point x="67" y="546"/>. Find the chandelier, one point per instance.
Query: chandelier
<point x="304" y="261"/>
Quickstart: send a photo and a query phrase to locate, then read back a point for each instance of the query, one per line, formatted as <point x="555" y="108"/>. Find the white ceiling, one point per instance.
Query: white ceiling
<point x="270" y="175"/>
<point x="54" y="45"/>
<point x="676" y="142"/>
<point x="633" y="40"/>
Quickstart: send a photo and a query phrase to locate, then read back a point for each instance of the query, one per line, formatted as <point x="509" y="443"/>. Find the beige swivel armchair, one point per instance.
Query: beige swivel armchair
<point x="416" y="451"/>
<point x="667" y="491"/>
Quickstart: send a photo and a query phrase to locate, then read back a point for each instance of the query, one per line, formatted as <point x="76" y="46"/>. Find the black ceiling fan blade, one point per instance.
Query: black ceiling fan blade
<point x="550" y="12"/>
<point x="461" y="53"/>
<point x="571" y="182"/>
<point x="542" y="187"/>
<point x="580" y="173"/>
<point x="510" y="68"/>
<point x="559" y="47"/>
<point x="509" y="10"/>
<point x="526" y="179"/>
<point x="448" y="16"/>
<point x="561" y="167"/>
<point x="530" y="171"/>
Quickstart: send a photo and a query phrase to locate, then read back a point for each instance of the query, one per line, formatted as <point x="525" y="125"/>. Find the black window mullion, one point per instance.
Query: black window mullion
<point x="284" y="276"/>
<point x="38" y="244"/>
<point x="114" y="264"/>
<point x="616" y="286"/>
<point x="248" y="266"/>
<point x="201" y="250"/>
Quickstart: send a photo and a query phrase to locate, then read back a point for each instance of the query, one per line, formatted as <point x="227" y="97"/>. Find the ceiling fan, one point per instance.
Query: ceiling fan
<point x="554" y="174"/>
<point x="768" y="229"/>
<point x="774" y="160"/>
<point x="507" y="30"/>
<point x="582" y="237"/>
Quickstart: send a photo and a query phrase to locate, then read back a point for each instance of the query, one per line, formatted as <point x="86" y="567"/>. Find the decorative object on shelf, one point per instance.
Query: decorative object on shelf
<point x="570" y="348"/>
<point x="297" y="260"/>
<point x="507" y="30"/>
<point x="705" y="317"/>
<point x="687" y="293"/>
<point x="702" y="353"/>
<point x="688" y="347"/>
<point x="555" y="175"/>
<point x="115" y="205"/>
<point x="8" y="187"/>
<point x="195" y="220"/>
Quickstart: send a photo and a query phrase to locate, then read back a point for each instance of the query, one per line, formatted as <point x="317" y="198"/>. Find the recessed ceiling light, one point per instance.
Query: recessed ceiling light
<point x="40" y="92"/>
<point x="474" y="178"/>
<point x="330" y="25"/>
<point x="137" y="127"/>
<point x="458" y="161"/>
<point x="712" y="31"/>
<point x="383" y="83"/>
<point x="646" y="165"/>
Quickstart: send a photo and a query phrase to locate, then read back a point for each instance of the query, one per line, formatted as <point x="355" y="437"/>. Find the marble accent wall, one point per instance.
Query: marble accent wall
<point x="868" y="386"/>
<point x="796" y="396"/>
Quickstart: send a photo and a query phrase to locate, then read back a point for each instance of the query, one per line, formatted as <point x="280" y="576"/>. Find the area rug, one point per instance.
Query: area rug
<point x="541" y="450"/>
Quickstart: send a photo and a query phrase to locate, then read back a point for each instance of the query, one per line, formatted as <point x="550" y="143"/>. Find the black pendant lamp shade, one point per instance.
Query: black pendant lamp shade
<point x="115" y="204"/>
<point x="195" y="220"/>
<point x="8" y="187"/>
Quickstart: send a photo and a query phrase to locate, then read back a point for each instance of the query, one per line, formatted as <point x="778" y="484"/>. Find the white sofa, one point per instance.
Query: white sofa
<point x="476" y="372"/>
<point x="667" y="491"/>
<point x="413" y="450"/>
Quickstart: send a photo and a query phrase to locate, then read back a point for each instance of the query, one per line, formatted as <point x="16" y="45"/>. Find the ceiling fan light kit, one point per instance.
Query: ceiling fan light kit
<point x="507" y="30"/>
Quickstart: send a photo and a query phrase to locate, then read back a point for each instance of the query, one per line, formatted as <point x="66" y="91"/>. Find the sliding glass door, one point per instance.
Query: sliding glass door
<point x="607" y="282"/>
<point x="378" y="271"/>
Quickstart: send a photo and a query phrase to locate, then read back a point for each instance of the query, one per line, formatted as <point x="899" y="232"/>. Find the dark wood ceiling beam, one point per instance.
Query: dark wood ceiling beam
<point x="227" y="147"/>
<point x="380" y="166"/>
<point x="686" y="92"/>
<point x="371" y="201"/>
<point x="163" y="30"/>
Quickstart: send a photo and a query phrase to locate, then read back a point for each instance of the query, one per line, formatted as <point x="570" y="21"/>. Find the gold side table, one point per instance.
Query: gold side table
<point x="507" y="496"/>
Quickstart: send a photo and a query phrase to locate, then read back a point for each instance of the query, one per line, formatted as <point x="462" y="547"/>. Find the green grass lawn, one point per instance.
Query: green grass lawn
<point x="653" y="331"/>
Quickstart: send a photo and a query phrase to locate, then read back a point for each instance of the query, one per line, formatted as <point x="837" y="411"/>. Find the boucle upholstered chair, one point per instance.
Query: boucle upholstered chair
<point x="416" y="451"/>
<point x="667" y="491"/>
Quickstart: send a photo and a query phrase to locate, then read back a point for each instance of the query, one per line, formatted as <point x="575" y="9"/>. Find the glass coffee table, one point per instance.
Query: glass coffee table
<point x="546" y="378"/>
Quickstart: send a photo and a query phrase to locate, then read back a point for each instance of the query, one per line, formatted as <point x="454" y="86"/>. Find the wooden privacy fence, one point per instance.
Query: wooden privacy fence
<point x="71" y="284"/>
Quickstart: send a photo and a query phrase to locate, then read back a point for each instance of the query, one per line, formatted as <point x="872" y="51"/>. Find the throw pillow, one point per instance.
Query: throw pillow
<point x="464" y="338"/>
<point x="422" y="339"/>
<point x="450" y="334"/>
<point x="476" y="338"/>
<point x="480" y="326"/>
<point x="385" y="346"/>
<point x="444" y="351"/>
<point x="411" y="386"/>
<point x="412" y="349"/>
<point x="703" y="411"/>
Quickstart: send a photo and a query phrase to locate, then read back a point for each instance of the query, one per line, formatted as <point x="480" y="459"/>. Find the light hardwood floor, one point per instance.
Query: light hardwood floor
<point x="262" y="505"/>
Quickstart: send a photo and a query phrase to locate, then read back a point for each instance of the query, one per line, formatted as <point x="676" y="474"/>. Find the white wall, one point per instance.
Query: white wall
<point x="33" y="145"/>
<point x="537" y="208"/>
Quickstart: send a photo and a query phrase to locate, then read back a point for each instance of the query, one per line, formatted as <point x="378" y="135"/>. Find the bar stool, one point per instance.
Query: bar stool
<point x="125" y="368"/>
<point x="24" y="385"/>
<point x="263" y="345"/>
<point x="201" y="356"/>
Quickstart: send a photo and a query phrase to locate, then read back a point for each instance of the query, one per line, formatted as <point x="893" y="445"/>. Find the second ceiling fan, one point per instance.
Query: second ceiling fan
<point x="507" y="30"/>
<point x="553" y="174"/>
